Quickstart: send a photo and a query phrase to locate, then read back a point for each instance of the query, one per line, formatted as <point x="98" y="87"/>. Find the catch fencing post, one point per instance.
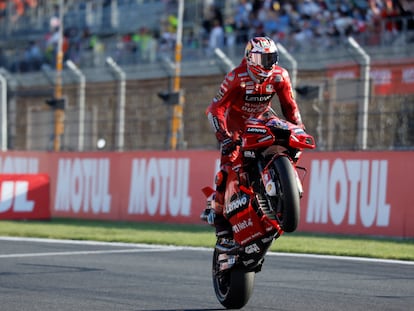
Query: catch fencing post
<point x="363" y="106"/>
<point x="81" y="102"/>
<point x="121" y="102"/>
<point x="293" y="65"/>
<point x="3" y="82"/>
<point x="225" y="59"/>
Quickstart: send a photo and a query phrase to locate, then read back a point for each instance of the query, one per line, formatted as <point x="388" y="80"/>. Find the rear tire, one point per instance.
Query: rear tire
<point x="233" y="287"/>
<point x="287" y="203"/>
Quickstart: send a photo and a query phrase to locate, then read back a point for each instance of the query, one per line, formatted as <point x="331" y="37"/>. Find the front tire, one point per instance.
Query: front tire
<point x="287" y="202"/>
<point x="232" y="287"/>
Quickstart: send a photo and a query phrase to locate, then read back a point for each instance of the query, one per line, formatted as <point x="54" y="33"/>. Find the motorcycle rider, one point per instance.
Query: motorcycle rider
<point x="246" y="92"/>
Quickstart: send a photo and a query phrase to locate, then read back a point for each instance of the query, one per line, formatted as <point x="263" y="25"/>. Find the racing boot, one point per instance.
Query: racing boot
<point x="225" y="245"/>
<point x="224" y="233"/>
<point x="223" y="226"/>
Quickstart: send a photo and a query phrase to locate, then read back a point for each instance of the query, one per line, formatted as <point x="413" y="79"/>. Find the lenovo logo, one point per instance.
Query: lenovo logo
<point x="257" y="98"/>
<point x="237" y="204"/>
<point x="256" y="130"/>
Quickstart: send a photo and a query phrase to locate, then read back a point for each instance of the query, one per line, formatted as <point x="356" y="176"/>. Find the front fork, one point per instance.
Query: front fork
<point x="268" y="179"/>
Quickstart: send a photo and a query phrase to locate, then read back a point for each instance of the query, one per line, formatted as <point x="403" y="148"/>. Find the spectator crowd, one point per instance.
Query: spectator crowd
<point x="310" y="24"/>
<point x="299" y="25"/>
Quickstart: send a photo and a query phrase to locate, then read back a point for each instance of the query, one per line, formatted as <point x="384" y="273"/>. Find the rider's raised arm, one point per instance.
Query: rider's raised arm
<point x="218" y="108"/>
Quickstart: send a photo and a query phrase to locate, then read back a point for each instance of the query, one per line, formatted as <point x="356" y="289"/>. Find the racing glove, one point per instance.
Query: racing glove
<point x="208" y="215"/>
<point x="228" y="145"/>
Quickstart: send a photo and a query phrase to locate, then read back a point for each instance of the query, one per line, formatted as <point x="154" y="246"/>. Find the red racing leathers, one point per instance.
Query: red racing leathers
<point x="239" y="98"/>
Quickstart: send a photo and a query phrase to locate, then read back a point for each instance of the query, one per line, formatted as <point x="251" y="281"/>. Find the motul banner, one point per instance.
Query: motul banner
<point x="24" y="196"/>
<point x="366" y="193"/>
<point x="359" y="193"/>
<point x="133" y="186"/>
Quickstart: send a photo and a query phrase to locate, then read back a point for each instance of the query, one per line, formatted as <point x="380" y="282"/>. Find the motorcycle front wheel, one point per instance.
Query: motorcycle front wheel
<point x="287" y="201"/>
<point x="232" y="287"/>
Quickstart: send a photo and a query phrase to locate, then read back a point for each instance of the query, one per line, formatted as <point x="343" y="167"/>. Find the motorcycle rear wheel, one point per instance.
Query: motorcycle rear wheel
<point x="232" y="287"/>
<point x="287" y="203"/>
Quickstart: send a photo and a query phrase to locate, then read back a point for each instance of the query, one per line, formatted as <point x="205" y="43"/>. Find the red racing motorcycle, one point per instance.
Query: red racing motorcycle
<point x="262" y="201"/>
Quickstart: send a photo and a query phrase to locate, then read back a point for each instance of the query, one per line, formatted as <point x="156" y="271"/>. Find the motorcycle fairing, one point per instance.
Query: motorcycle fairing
<point x="241" y="212"/>
<point x="246" y="226"/>
<point x="256" y="137"/>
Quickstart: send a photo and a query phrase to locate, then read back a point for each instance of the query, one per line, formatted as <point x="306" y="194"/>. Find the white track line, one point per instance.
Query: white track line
<point x="81" y="242"/>
<point x="348" y="258"/>
<point x="114" y="251"/>
<point x="140" y="247"/>
<point x="132" y="248"/>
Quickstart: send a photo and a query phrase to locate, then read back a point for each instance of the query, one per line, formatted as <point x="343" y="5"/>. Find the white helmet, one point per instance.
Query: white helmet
<point x="261" y="55"/>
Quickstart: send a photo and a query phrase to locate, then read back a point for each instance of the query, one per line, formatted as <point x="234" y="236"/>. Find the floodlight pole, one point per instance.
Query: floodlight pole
<point x="59" y="110"/>
<point x="177" y="118"/>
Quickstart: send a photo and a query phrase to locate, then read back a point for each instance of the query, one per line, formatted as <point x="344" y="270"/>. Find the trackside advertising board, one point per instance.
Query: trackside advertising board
<point x="365" y="193"/>
<point x="391" y="77"/>
<point x="24" y="196"/>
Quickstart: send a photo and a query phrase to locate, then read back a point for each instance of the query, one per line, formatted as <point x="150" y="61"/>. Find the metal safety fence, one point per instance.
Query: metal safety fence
<point x="128" y="110"/>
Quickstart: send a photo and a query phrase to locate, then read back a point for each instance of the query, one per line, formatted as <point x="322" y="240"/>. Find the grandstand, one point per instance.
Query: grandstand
<point x="121" y="28"/>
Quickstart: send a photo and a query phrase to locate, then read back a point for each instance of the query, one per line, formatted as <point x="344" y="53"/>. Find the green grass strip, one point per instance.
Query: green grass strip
<point x="203" y="235"/>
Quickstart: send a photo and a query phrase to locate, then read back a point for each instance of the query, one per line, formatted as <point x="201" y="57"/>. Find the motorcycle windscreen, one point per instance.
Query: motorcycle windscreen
<point x="246" y="226"/>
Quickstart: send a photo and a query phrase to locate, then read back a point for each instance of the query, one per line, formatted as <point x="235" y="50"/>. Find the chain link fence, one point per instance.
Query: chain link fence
<point x="329" y="105"/>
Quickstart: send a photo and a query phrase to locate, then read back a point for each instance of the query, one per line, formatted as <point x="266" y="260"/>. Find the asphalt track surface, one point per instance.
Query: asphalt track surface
<point x="38" y="274"/>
